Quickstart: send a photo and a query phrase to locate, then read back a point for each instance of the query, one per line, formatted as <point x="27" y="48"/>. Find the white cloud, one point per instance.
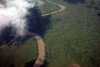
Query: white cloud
<point x="13" y="12"/>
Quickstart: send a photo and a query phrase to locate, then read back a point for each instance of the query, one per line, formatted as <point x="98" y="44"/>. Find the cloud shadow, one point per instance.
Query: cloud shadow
<point x="37" y="23"/>
<point x="6" y="35"/>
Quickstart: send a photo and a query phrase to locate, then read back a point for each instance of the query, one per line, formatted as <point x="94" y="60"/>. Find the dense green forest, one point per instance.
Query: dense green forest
<point x="72" y="37"/>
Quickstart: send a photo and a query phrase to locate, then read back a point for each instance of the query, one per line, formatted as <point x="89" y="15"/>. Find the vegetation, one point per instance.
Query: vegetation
<point x="18" y="55"/>
<point x="73" y="38"/>
<point x="47" y="7"/>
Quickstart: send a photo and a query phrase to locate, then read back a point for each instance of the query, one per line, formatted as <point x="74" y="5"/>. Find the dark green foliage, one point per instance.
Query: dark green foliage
<point x="74" y="38"/>
<point x="18" y="55"/>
